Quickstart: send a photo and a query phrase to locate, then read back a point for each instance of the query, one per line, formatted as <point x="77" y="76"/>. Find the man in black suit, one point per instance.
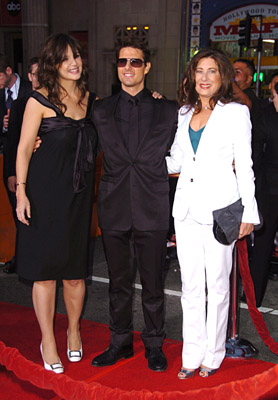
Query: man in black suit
<point x="12" y="86"/>
<point x="273" y="272"/>
<point x="244" y="73"/>
<point x="15" y="122"/>
<point x="135" y="130"/>
<point x="267" y="100"/>
<point x="265" y="156"/>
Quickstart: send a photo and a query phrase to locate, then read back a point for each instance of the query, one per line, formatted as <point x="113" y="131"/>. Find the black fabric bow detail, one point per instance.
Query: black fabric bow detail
<point x="84" y="157"/>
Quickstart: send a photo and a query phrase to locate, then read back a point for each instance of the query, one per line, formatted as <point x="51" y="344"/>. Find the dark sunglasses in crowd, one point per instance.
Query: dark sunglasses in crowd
<point x="134" y="62"/>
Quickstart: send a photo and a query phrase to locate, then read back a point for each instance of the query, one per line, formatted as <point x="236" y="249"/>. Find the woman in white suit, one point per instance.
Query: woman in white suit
<point x="213" y="136"/>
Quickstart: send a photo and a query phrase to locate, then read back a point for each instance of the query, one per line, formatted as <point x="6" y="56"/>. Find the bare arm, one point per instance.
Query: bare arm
<point x="31" y="122"/>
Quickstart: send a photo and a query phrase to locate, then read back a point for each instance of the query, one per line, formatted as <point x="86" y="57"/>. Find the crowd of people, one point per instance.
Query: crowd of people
<point x="49" y="175"/>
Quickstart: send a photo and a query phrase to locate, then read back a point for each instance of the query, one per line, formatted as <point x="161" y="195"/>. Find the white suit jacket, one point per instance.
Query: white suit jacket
<point x="207" y="181"/>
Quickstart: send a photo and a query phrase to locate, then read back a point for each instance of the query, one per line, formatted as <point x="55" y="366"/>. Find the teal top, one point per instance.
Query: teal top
<point x="195" y="137"/>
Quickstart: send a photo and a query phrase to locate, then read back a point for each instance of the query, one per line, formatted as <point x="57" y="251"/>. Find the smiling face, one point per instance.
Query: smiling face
<point x="71" y="66"/>
<point x="207" y="79"/>
<point x="243" y="76"/>
<point x="132" y="79"/>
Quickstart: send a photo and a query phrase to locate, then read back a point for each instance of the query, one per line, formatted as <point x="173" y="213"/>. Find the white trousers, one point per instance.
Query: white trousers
<point x="205" y="265"/>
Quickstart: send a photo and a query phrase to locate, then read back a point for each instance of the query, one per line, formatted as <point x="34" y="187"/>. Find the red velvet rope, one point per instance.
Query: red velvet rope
<point x="248" y="286"/>
<point x="70" y="389"/>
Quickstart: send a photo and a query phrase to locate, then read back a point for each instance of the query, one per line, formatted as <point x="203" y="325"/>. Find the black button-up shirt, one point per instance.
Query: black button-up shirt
<point x="128" y="123"/>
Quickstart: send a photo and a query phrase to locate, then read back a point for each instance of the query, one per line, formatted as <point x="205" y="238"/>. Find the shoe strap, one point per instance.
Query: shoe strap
<point x="56" y="366"/>
<point x="74" y="353"/>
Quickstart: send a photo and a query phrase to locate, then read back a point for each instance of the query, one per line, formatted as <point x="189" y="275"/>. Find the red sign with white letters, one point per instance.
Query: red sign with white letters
<point x="225" y="28"/>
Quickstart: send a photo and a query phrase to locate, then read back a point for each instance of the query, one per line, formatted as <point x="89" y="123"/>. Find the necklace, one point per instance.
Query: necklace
<point x="206" y="107"/>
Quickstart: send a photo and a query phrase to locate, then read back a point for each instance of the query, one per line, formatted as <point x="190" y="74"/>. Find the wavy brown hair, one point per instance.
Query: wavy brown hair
<point x="52" y="56"/>
<point x="224" y="93"/>
<point x="181" y="91"/>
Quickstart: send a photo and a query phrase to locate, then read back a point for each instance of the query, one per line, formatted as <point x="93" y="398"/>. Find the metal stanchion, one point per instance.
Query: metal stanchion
<point x="236" y="347"/>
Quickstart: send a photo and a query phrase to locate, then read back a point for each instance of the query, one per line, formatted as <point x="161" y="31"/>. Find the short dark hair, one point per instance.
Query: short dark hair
<point x="136" y="43"/>
<point x="4" y="63"/>
<point x="249" y="64"/>
<point x="224" y="93"/>
<point x="32" y="61"/>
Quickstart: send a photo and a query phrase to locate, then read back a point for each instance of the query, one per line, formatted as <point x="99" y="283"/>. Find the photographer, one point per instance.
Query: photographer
<point x="265" y="156"/>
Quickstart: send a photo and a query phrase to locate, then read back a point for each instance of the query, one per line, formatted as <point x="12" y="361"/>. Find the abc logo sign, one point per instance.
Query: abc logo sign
<point x="14" y="7"/>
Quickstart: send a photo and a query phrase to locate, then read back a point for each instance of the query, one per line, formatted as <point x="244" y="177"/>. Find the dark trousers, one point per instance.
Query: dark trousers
<point x="149" y="250"/>
<point x="11" y="195"/>
<point x="172" y="184"/>
<point x="12" y="199"/>
<point x="263" y="244"/>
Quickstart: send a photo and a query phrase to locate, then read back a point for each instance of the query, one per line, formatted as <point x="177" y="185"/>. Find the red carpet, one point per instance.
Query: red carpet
<point x="19" y="329"/>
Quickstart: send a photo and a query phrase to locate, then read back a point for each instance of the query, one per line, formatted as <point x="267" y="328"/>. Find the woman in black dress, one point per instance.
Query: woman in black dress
<point x="55" y="191"/>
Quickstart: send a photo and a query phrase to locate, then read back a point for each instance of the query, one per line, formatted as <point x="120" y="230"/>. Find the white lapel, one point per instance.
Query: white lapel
<point x="185" y="139"/>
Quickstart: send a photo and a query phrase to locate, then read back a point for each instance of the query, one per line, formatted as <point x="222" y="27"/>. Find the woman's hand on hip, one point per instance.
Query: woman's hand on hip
<point x="245" y="229"/>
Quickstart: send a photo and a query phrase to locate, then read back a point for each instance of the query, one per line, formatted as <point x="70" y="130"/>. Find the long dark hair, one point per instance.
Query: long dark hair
<point x="52" y="56"/>
<point x="225" y="91"/>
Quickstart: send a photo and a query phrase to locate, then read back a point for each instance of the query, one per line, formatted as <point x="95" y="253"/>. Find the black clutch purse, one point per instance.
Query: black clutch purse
<point x="226" y="222"/>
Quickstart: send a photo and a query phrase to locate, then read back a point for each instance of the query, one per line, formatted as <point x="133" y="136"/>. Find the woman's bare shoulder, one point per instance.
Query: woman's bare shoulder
<point x="36" y="104"/>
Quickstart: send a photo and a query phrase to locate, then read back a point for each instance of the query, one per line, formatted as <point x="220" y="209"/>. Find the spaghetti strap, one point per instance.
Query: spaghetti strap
<point x="45" y="102"/>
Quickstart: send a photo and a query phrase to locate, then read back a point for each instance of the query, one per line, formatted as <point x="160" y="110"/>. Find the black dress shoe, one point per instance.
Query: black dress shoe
<point x="113" y="354"/>
<point x="9" y="267"/>
<point x="156" y="359"/>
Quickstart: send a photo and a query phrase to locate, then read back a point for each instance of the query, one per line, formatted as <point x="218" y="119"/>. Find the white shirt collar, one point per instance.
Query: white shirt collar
<point x="14" y="88"/>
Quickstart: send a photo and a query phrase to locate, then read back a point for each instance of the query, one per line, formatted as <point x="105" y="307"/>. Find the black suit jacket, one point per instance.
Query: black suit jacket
<point x="13" y="136"/>
<point x="265" y="151"/>
<point x="25" y="87"/>
<point x="9" y="150"/>
<point x="134" y="191"/>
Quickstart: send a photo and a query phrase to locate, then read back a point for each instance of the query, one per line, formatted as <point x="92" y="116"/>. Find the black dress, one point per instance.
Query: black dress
<point x="60" y="189"/>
